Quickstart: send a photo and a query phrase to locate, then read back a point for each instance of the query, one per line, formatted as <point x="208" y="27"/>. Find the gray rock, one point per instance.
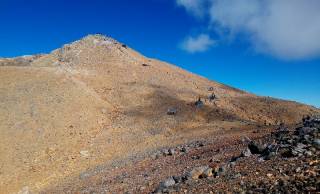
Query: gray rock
<point x="246" y="153"/>
<point x="269" y="151"/>
<point x="298" y="169"/>
<point x="184" y="150"/>
<point x="221" y="170"/>
<point x="198" y="172"/>
<point x="171" y="151"/>
<point x="269" y="155"/>
<point x="300" y="148"/>
<point x="211" y="97"/>
<point x="316" y="143"/>
<point x="261" y="159"/>
<point x="168" y="182"/>
<point x="199" y="103"/>
<point x="308" y="153"/>
<point x="155" y="156"/>
<point x="207" y="173"/>
<point x="195" y="157"/>
<point x="312" y="149"/>
<point x="255" y="148"/>
<point x="177" y="179"/>
<point x="172" y="111"/>
<point x="304" y="131"/>
<point x="165" y="152"/>
<point x="232" y="164"/>
<point x="238" y="175"/>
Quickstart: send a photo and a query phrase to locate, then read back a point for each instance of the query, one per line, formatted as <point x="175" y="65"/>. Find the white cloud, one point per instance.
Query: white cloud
<point x="200" y="43"/>
<point x="194" y="7"/>
<point x="287" y="29"/>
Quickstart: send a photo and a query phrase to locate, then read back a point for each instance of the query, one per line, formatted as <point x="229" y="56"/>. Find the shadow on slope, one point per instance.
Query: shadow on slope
<point x="162" y="99"/>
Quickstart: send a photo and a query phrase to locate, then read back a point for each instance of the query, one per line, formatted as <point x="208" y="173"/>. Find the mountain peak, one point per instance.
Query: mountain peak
<point x="91" y="41"/>
<point x="94" y="47"/>
<point x="98" y="38"/>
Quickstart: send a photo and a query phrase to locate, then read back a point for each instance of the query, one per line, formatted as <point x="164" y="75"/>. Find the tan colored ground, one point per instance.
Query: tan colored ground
<point x="94" y="96"/>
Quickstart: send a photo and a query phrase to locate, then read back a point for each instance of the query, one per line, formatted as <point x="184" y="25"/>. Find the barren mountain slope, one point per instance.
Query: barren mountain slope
<point x="97" y="101"/>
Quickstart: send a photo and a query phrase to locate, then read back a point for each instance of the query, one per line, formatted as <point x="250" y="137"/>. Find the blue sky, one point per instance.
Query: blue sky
<point x="271" y="53"/>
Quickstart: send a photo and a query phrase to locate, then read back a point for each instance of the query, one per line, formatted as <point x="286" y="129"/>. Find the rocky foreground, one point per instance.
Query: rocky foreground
<point x="288" y="161"/>
<point x="283" y="159"/>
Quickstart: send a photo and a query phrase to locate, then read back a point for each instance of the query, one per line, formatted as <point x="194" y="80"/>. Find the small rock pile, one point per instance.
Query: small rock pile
<point x="299" y="147"/>
<point x="196" y="173"/>
<point x="181" y="149"/>
<point x="305" y="140"/>
<point x="199" y="103"/>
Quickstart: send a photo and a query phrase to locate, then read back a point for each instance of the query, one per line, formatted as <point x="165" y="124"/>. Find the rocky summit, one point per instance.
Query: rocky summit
<point x="95" y="116"/>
